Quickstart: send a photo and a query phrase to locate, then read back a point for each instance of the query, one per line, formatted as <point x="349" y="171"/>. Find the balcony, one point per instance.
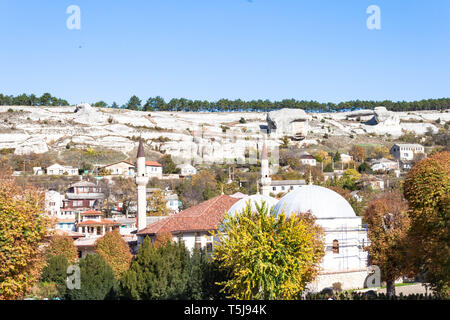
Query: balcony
<point x="87" y="195"/>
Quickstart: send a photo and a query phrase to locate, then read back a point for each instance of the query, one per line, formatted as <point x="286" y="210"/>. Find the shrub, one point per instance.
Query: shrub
<point x="98" y="281"/>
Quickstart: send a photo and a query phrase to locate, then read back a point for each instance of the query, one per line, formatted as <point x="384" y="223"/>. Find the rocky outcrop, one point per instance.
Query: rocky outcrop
<point x="290" y="122"/>
<point x="385" y="117"/>
<point x="86" y="114"/>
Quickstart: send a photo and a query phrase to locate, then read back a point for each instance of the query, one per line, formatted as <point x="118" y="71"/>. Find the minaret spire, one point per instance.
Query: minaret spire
<point x="141" y="182"/>
<point x="265" y="176"/>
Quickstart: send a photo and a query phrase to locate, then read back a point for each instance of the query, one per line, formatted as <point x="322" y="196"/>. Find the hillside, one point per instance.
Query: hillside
<point x="221" y="134"/>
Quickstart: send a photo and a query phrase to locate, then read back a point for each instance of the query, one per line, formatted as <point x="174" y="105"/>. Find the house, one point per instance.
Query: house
<point x="153" y="169"/>
<point x="372" y="181"/>
<point x="187" y="170"/>
<point x="53" y="202"/>
<point x="307" y="159"/>
<point x="64" y="219"/>
<point x="92" y="223"/>
<point x="384" y="164"/>
<point x="277" y="186"/>
<point x="194" y="225"/>
<point x="57" y="169"/>
<point x="83" y="195"/>
<point x="37" y="171"/>
<point x="345" y="158"/>
<point x="123" y="168"/>
<point x="406" y="151"/>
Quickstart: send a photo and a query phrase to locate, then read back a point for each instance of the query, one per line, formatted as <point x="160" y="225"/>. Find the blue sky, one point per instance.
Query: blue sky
<point x="211" y="49"/>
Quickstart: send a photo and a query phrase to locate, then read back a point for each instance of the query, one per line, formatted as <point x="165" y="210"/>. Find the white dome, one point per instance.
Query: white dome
<point x="253" y="199"/>
<point x="322" y="202"/>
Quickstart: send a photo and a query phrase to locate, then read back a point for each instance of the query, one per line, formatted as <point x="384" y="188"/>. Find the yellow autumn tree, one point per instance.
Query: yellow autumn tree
<point x="115" y="251"/>
<point x="268" y="257"/>
<point x="157" y="204"/>
<point x="23" y="229"/>
<point x="62" y="245"/>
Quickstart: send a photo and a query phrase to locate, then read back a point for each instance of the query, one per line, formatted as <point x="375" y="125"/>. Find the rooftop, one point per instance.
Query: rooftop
<point x="205" y="216"/>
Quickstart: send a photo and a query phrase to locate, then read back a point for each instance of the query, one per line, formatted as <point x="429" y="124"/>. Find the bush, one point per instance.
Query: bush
<point x="56" y="272"/>
<point x="170" y="272"/>
<point x="98" y="281"/>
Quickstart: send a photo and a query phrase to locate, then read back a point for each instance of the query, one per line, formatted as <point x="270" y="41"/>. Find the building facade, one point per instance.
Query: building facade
<point x="57" y="170"/>
<point x="406" y="151"/>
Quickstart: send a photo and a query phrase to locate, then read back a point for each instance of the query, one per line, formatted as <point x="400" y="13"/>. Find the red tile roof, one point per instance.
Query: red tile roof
<point x="91" y="213"/>
<point x="101" y="222"/>
<point x="205" y="216"/>
<point x="153" y="164"/>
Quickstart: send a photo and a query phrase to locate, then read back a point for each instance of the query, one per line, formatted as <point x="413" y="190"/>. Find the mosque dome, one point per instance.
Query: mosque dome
<point x="322" y="202"/>
<point x="253" y="199"/>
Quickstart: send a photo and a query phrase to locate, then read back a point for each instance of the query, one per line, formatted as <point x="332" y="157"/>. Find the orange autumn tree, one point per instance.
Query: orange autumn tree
<point x="23" y="228"/>
<point x="388" y="222"/>
<point x="162" y="239"/>
<point x="115" y="251"/>
<point x="427" y="189"/>
<point x="63" y="245"/>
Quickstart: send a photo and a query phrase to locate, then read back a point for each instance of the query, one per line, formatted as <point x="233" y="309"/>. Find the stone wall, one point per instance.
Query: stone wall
<point x="349" y="280"/>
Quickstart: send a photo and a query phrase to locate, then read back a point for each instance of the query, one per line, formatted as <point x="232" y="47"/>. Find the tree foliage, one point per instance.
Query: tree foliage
<point x="98" y="281"/>
<point x="267" y="257"/>
<point x="55" y="271"/>
<point x="23" y="228"/>
<point x="388" y="222"/>
<point x="157" y="204"/>
<point x="358" y="153"/>
<point x="167" y="272"/>
<point x="115" y="251"/>
<point x="62" y="245"/>
<point x="427" y="189"/>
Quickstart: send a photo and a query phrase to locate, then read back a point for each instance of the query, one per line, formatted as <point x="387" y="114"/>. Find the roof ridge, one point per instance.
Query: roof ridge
<point x="212" y="202"/>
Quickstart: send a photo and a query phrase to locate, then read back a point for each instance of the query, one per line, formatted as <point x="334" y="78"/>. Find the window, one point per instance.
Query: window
<point x="335" y="246"/>
<point x="198" y="241"/>
<point x="274" y="188"/>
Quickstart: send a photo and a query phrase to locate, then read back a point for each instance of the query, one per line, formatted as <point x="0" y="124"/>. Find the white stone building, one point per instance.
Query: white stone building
<point x="153" y="169"/>
<point x="57" y="169"/>
<point x="123" y="168"/>
<point x="187" y="170"/>
<point x="278" y="186"/>
<point x="384" y="165"/>
<point x="406" y="151"/>
<point x="345" y="260"/>
<point x="307" y="159"/>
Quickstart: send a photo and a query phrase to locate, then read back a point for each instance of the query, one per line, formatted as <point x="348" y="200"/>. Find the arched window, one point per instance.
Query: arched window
<point x="335" y="246"/>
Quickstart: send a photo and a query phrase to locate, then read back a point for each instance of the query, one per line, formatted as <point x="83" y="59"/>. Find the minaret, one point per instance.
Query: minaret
<point x="141" y="182"/>
<point x="265" y="177"/>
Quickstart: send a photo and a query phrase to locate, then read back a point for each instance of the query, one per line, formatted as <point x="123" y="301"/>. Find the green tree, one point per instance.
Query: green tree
<point x="157" y="273"/>
<point x="98" y="281"/>
<point x="168" y="165"/>
<point x="100" y="104"/>
<point x="267" y="257"/>
<point x="427" y="189"/>
<point x="55" y="272"/>
<point x="134" y="103"/>
<point x="337" y="157"/>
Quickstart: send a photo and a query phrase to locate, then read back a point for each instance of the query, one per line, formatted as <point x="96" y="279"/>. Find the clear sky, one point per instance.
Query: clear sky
<point x="211" y="49"/>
